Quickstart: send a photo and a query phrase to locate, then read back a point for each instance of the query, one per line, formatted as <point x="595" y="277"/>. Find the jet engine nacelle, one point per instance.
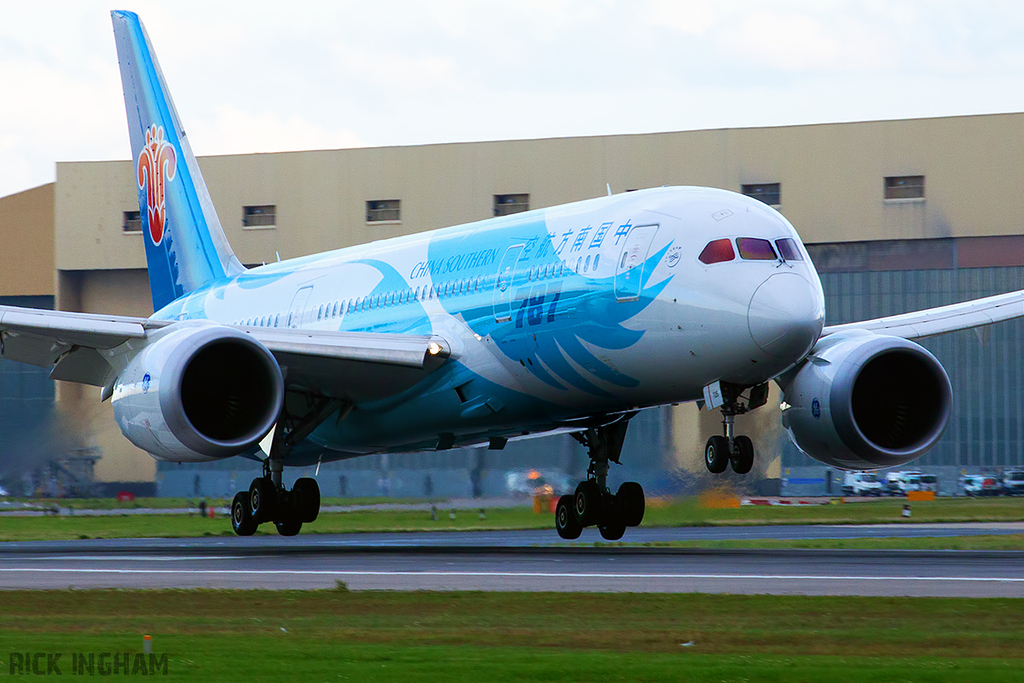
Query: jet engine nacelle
<point x="863" y="401"/>
<point x="198" y="392"/>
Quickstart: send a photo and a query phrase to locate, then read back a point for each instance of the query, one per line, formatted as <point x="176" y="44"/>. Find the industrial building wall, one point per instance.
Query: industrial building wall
<point x="27" y="236"/>
<point x="26" y="409"/>
<point x="985" y="365"/>
<point x="831" y="184"/>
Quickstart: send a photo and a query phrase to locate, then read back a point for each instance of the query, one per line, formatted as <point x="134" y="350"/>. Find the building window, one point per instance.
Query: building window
<point x="263" y="216"/>
<point x="904" y="187"/>
<point x="504" y="204"/>
<point x="383" y="210"/>
<point x="769" y="193"/>
<point x="131" y="222"/>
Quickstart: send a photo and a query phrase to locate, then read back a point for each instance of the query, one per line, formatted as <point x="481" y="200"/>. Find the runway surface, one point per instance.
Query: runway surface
<point x="524" y="560"/>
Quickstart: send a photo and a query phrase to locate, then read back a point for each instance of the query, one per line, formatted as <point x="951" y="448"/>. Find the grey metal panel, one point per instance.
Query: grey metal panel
<point x="985" y="364"/>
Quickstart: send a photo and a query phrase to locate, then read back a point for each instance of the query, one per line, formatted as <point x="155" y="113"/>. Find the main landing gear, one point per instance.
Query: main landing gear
<point x="267" y="500"/>
<point x="593" y="502"/>
<point x="730" y="449"/>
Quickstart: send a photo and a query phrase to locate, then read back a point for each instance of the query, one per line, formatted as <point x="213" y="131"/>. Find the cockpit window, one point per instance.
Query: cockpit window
<point x="755" y="249"/>
<point x="788" y="249"/>
<point x="717" y="252"/>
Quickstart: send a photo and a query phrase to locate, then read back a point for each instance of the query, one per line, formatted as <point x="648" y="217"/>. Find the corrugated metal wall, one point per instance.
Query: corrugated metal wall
<point x="984" y="365"/>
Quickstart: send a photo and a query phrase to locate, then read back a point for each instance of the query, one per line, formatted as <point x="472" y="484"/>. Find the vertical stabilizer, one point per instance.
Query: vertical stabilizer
<point x="185" y="243"/>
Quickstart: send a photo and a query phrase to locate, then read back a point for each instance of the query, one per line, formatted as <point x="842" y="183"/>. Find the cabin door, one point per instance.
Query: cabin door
<point x="503" y="285"/>
<point x="629" y="270"/>
<point x="298" y="306"/>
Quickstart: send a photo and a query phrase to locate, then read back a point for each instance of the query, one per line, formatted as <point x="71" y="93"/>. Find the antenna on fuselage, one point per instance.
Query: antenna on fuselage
<point x="609" y="186"/>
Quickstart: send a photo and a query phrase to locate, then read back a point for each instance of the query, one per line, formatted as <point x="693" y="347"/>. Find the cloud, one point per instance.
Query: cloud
<point x="689" y="17"/>
<point x="232" y="131"/>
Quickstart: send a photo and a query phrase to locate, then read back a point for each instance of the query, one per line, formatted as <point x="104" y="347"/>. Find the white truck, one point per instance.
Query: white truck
<point x="1013" y="483"/>
<point x="862" y="484"/>
<point x="901" y="483"/>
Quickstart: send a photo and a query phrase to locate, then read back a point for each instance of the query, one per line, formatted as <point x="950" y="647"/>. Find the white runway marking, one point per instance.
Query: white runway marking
<point x="547" y="575"/>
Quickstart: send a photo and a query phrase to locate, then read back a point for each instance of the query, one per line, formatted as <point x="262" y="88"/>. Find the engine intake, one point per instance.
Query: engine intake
<point x="199" y="392"/>
<point x="865" y="401"/>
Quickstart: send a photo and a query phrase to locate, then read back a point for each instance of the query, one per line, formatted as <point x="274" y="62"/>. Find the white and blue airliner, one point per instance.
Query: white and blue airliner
<point x="566" y="319"/>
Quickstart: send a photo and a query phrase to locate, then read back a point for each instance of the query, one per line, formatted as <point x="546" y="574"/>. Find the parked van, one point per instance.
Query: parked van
<point x="1013" y="482"/>
<point x="901" y="483"/>
<point x="979" y="485"/>
<point x="861" y="484"/>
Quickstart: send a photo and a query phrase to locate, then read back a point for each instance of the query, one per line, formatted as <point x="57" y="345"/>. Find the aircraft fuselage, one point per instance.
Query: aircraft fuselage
<point x="552" y="315"/>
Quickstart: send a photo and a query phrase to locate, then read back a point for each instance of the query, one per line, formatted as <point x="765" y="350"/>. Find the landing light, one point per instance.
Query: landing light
<point x="433" y="348"/>
<point x="784" y="406"/>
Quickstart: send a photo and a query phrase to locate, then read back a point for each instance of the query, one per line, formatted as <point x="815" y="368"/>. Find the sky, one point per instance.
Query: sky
<point x="261" y="76"/>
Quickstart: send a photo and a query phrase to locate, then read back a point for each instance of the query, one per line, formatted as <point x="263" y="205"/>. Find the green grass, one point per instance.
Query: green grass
<point x="388" y="636"/>
<point x="171" y="503"/>
<point x="685" y="512"/>
<point x="994" y="542"/>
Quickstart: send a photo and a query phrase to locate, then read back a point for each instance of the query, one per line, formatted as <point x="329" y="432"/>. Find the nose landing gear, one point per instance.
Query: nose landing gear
<point x="593" y="503"/>
<point x="730" y="449"/>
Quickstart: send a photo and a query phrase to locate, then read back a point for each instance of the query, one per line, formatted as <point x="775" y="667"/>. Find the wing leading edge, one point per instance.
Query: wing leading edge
<point x="358" y="366"/>
<point x="943" y="319"/>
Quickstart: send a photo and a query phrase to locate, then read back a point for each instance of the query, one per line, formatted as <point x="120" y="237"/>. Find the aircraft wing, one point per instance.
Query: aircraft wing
<point x="933" y="321"/>
<point x="359" y="366"/>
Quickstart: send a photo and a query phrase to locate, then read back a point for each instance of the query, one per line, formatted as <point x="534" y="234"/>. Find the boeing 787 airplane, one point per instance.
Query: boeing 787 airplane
<point x="567" y="319"/>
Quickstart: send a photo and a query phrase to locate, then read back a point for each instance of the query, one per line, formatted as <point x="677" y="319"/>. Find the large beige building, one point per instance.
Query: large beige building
<point x="917" y="182"/>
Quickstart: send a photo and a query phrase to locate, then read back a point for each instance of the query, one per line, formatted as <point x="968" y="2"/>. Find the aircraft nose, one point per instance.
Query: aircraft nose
<point x="785" y="316"/>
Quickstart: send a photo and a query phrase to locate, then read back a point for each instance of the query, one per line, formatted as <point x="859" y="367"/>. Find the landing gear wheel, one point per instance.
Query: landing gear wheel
<point x="241" y="516"/>
<point x="289" y="516"/>
<point x="262" y="499"/>
<point x="587" y="503"/>
<point x="631" y="503"/>
<point x="612" y="532"/>
<point x="306" y="493"/>
<point x="288" y="527"/>
<point x="565" y="519"/>
<point x="743" y="459"/>
<point x="716" y="454"/>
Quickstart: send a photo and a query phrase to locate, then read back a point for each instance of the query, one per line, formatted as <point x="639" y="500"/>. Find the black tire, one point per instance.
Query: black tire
<point x="716" y="454"/>
<point x="631" y="503"/>
<point x="565" y="519"/>
<point x="743" y="459"/>
<point x="241" y="515"/>
<point x="612" y="532"/>
<point x="288" y="527"/>
<point x="262" y="500"/>
<point x="587" y="503"/>
<point x="306" y="493"/>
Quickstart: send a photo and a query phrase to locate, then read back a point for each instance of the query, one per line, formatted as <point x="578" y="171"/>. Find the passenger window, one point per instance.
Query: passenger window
<point x="586" y="265"/>
<point x="579" y="263"/>
<point x="597" y="258"/>
<point x="717" y="251"/>
<point x="417" y="294"/>
<point x="788" y="249"/>
<point x="755" y="249"/>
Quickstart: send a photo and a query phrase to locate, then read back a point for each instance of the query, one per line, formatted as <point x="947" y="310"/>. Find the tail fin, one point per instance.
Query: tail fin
<point x="185" y="244"/>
